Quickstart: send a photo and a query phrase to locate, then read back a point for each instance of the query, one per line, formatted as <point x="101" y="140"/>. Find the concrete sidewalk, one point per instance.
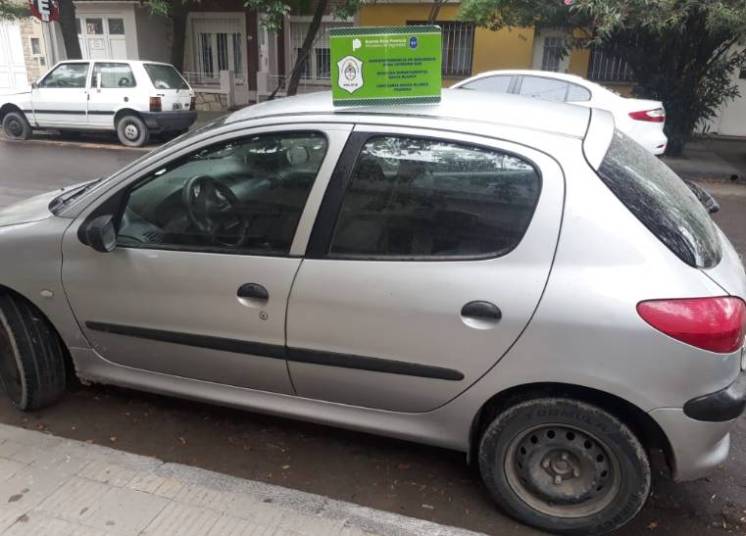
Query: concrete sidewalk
<point x="55" y="487"/>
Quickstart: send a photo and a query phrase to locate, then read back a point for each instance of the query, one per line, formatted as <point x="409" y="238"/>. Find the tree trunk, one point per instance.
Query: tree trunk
<point x="179" y="18"/>
<point x="69" y="31"/>
<point x="305" y="50"/>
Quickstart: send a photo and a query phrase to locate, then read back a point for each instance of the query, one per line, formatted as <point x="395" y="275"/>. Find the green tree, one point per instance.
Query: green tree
<point x="11" y="9"/>
<point x="682" y="52"/>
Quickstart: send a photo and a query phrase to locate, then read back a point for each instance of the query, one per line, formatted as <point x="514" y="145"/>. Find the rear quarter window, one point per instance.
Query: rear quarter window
<point x="661" y="201"/>
<point x="165" y="76"/>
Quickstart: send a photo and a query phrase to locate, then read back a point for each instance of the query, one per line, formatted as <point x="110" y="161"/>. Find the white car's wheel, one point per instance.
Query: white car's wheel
<point x="16" y="127"/>
<point x="132" y="131"/>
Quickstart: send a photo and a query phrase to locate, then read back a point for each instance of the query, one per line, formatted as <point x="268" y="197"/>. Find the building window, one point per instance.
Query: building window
<point x="553" y="51"/>
<point x="458" y="47"/>
<point x="116" y="26"/>
<point x="218" y="45"/>
<point x="35" y="46"/>
<point x="317" y="66"/>
<point x="605" y="68"/>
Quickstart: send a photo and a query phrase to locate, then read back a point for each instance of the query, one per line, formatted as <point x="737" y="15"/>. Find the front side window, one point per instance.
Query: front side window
<point x="113" y="75"/>
<point x="244" y="196"/>
<point x="495" y="84"/>
<point x="67" y="75"/>
<point x="661" y="201"/>
<point x="544" y="88"/>
<point x="425" y="198"/>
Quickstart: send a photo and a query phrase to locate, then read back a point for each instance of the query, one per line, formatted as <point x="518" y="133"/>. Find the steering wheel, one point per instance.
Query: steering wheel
<point x="214" y="209"/>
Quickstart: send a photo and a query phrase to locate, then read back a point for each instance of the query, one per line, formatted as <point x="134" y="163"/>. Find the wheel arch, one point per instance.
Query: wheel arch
<point x="649" y="432"/>
<point x="122" y="112"/>
<point x="70" y="370"/>
<point x="8" y="107"/>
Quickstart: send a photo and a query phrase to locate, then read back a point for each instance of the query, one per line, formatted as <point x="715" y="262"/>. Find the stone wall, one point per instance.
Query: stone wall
<point x="211" y="102"/>
<point x="35" y="64"/>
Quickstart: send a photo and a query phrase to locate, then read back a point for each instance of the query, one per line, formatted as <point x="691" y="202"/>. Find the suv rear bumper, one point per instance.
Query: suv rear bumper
<point x="169" y="121"/>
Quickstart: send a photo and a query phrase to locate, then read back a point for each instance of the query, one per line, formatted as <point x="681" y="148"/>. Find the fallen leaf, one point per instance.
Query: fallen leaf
<point x="428" y="506"/>
<point x="113" y="439"/>
<point x="652" y="525"/>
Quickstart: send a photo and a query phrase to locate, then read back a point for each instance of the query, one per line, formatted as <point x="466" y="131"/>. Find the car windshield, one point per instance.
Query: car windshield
<point x="662" y="201"/>
<point x="165" y="76"/>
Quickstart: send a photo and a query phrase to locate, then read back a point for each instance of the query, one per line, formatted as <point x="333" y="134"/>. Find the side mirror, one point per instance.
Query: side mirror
<point x="101" y="235"/>
<point x="34" y="85"/>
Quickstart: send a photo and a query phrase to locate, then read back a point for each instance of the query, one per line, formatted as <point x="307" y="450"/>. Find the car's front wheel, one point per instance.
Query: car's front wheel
<point x="564" y="466"/>
<point x="16" y="127"/>
<point x="32" y="359"/>
<point x="132" y="131"/>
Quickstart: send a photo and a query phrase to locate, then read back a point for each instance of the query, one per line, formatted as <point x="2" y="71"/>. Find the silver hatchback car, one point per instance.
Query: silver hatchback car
<point x="527" y="286"/>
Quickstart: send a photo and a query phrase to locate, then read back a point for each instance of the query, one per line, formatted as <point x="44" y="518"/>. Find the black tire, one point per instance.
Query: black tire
<point x="32" y="358"/>
<point x="16" y="127"/>
<point x="132" y="131"/>
<point x="564" y="466"/>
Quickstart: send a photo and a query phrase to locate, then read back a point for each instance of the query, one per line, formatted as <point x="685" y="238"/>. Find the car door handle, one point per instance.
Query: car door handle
<point x="482" y="310"/>
<point x="253" y="291"/>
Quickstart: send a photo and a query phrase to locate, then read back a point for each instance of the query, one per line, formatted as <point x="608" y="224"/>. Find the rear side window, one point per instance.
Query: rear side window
<point x="113" y="75"/>
<point x="661" y="201"/>
<point x="576" y="93"/>
<point x="495" y="84"/>
<point x="544" y="88"/>
<point x="165" y="76"/>
<point x="425" y="198"/>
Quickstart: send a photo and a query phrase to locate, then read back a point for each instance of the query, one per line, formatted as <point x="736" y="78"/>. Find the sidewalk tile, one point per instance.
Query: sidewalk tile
<point x="107" y="473"/>
<point x="39" y="524"/>
<point x="8" y="468"/>
<point x="182" y="520"/>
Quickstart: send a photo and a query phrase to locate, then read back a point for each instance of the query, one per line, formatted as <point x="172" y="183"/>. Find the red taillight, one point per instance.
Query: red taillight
<point x="654" y="116"/>
<point x="155" y="104"/>
<point x="714" y="324"/>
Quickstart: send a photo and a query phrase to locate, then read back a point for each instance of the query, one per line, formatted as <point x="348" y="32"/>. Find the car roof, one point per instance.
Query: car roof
<point x="460" y="105"/>
<point x="533" y="72"/>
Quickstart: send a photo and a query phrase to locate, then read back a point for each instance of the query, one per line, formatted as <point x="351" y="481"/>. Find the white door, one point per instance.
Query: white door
<point x="61" y="98"/>
<point x="12" y="64"/>
<point x="112" y="83"/>
<point x="219" y="44"/>
<point x="102" y="37"/>
<point x="733" y="116"/>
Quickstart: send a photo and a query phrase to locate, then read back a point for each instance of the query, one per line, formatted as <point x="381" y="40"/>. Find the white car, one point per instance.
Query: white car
<point x="133" y="98"/>
<point x="642" y="120"/>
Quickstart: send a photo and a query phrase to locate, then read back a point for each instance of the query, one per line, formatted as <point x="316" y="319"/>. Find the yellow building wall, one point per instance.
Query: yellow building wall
<point x="505" y="49"/>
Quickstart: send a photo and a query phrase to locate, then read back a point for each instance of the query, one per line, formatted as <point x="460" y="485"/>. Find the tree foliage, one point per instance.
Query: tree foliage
<point x="11" y="9"/>
<point x="682" y="52"/>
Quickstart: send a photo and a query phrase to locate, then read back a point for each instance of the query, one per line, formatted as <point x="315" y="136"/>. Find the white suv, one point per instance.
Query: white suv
<point x="133" y="98"/>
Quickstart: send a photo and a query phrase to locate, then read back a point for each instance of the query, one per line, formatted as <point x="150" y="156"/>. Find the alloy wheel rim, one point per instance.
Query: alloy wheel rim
<point x="562" y="471"/>
<point x="15" y="127"/>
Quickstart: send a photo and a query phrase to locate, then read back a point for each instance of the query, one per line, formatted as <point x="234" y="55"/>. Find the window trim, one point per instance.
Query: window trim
<point x="322" y="234"/>
<point x="41" y="82"/>
<point x="94" y="85"/>
<point x="117" y="202"/>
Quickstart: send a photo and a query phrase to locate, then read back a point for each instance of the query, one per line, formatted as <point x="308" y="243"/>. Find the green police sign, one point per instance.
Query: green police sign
<point x="392" y="65"/>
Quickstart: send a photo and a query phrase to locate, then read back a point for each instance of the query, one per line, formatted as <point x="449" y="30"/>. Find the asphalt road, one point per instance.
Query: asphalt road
<point x="392" y="475"/>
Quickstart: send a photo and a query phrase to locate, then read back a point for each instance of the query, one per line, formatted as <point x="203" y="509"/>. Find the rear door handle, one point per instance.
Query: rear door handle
<point x="253" y="291"/>
<point x="482" y="310"/>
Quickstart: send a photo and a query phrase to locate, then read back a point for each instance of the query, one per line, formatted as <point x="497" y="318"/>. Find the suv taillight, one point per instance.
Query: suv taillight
<point x="155" y="104"/>
<point x="714" y="324"/>
<point x="193" y="104"/>
<point x="654" y="116"/>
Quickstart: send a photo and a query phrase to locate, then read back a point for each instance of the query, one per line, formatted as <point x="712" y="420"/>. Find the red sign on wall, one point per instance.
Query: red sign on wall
<point x="45" y="10"/>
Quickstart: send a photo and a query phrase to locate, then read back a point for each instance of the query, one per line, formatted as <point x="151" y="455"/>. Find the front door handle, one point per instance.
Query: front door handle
<point x="482" y="310"/>
<point x="253" y="291"/>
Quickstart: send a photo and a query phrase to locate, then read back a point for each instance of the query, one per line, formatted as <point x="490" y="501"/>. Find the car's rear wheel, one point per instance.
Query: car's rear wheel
<point x="132" y="131"/>
<point x="564" y="466"/>
<point x="16" y="127"/>
<point x="32" y="359"/>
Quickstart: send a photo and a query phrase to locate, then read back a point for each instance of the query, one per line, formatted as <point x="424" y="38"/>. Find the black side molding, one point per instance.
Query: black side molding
<point x="374" y="364"/>
<point x="722" y="406"/>
<point x="189" y="339"/>
<point x="276" y="351"/>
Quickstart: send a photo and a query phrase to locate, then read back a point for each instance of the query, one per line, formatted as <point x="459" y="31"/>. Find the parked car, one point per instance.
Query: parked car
<point x="642" y="120"/>
<point x="400" y="270"/>
<point x="133" y="98"/>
